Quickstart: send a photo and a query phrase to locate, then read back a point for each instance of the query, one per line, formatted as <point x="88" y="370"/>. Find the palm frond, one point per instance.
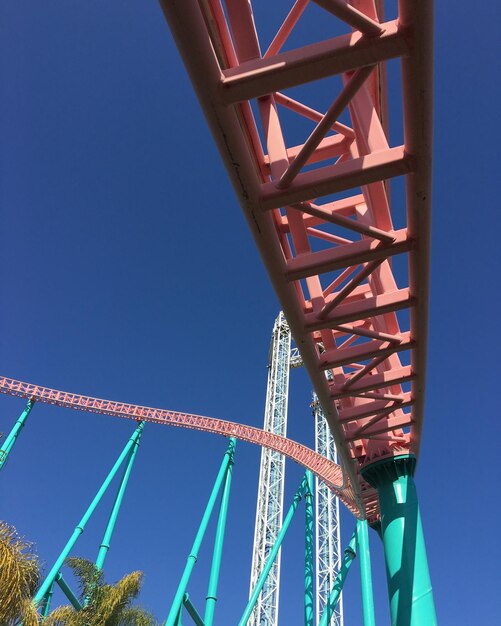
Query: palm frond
<point x="89" y="576"/>
<point x="29" y="613"/>
<point x="107" y="605"/>
<point x="19" y="575"/>
<point x="62" y="616"/>
<point x="119" y="596"/>
<point x="136" y="616"/>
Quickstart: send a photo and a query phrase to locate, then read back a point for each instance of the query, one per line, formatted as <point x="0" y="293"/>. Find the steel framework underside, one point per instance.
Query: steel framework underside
<point x="320" y="211"/>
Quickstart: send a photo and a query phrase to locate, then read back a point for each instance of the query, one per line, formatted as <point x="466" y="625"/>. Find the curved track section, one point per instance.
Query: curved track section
<point x="326" y="470"/>
<point x="349" y="264"/>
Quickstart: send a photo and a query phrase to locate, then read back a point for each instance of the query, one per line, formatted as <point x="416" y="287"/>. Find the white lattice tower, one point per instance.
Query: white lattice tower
<point x="269" y="508"/>
<point x="327" y="539"/>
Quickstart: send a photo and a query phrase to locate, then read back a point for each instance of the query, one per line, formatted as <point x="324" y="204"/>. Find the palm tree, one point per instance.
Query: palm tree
<point x="19" y="576"/>
<point x="103" y="604"/>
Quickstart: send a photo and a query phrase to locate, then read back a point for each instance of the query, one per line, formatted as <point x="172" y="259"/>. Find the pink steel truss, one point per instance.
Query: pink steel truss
<point x="320" y="211"/>
<point x="327" y="471"/>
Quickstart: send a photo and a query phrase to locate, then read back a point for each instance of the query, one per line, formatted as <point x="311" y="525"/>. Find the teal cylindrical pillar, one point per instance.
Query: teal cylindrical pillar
<point x="65" y="588"/>
<point x="365" y="573"/>
<point x="211" y="599"/>
<point x="14" y="433"/>
<point x="409" y="584"/>
<point x="47" y="600"/>
<point x="308" y="553"/>
<point x="173" y="616"/>
<point x="44" y="587"/>
<point x="105" y="543"/>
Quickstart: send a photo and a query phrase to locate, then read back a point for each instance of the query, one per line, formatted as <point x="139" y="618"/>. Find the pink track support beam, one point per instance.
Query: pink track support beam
<point x="320" y="211"/>
<point x="328" y="471"/>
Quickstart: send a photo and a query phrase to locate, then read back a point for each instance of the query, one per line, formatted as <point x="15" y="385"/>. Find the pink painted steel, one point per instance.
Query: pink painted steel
<point x="311" y="243"/>
<point x="326" y="470"/>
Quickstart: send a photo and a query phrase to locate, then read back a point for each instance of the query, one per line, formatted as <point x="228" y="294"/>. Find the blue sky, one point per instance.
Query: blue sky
<point x="129" y="273"/>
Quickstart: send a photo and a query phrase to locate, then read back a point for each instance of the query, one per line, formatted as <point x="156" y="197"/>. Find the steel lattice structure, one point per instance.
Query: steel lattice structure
<point x="320" y="211"/>
<point x="270" y="498"/>
<point x="328" y="528"/>
<point x="269" y="506"/>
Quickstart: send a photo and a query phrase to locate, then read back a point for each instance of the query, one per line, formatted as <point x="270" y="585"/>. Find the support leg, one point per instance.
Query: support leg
<point x="211" y="599"/>
<point x="47" y="601"/>
<point x="14" y="433"/>
<point x="409" y="585"/>
<point x="308" y="553"/>
<point x="81" y="525"/>
<point x="365" y="573"/>
<point x="105" y="544"/>
<point x="192" y="558"/>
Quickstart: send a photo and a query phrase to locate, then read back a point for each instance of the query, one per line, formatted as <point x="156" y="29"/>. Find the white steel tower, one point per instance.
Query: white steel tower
<point x="269" y="509"/>
<point x="270" y="494"/>
<point x="327" y="537"/>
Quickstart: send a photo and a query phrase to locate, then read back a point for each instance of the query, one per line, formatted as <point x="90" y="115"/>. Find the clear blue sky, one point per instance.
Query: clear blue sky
<point x="128" y="273"/>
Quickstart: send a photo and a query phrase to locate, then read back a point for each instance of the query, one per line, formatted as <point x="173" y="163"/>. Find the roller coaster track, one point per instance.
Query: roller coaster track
<point x="326" y="470"/>
<point x="320" y="212"/>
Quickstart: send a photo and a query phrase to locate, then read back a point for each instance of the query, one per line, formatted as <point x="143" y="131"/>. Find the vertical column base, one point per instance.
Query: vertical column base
<point x="409" y="584"/>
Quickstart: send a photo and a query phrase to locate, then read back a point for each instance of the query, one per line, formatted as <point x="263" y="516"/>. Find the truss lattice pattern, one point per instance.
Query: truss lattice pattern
<point x="319" y="208"/>
<point x="328" y="530"/>
<point x="326" y="470"/>
<point x="269" y="508"/>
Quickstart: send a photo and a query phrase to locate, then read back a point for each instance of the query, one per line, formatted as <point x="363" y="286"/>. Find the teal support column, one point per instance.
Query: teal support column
<point x="179" y="617"/>
<point x="349" y="554"/>
<point x="192" y="558"/>
<point x="105" y="544"/>
<point x="273" y="553"/>
<point x="47" y="601"/>
<point x="81" y="525"/>
<point x="409" y="584"/>
<point x="308" y="553"/>
<point x="192" y="611"/>
<point x="211" y="599"/>
<point x="365" y="573"/>
<point x="65" y="588"/>
<point x="10" y="440"/>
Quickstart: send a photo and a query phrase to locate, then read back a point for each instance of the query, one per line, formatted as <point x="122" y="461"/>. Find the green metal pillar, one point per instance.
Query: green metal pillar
<point x="179" y="617"/>
<point x="192" y="611"/>
<point x="65" y="588"/>
<point x="349" y="554"/>
<point x="365" y="573"/>
<point x="81" y="525"/>
<point x="273" y="554"/>
<point x="105" y="544"/>
<point x="308" y="553"/>
<point x="211" y="599"/>
<point x="10" y="440"/>
<point x="192" y="558"/>
<point x="47" y="600"/>
<point x="409" y="584"/>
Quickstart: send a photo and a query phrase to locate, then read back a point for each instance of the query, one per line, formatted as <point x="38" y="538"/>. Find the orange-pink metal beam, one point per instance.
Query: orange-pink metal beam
<point x="313" y="244"/>
<point x="326" y="470"/>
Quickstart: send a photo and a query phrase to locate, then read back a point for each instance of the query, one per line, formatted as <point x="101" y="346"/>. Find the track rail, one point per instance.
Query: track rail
<point x="326" y="470"/>
<point x="330" y="257"/>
